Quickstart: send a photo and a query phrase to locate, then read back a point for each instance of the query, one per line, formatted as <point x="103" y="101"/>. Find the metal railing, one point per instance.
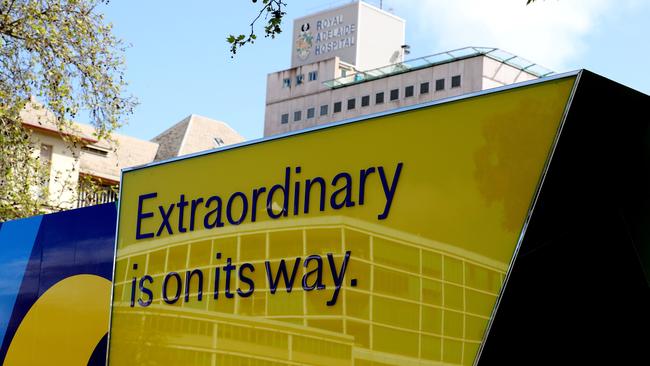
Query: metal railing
<point x="438" y="59"/>
<point x="89" y="196"/>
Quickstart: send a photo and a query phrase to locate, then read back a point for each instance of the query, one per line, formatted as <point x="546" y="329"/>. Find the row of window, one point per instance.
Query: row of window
<point x="311" y="76"/>
<point x="409" y="91"/>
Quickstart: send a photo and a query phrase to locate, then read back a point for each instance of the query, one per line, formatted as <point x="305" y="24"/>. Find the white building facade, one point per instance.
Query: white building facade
<point x="88" y="172"/>
<point x="348" y="61"/>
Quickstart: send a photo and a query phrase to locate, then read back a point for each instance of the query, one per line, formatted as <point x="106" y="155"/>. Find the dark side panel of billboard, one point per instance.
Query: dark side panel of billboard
<point x="578" y="291"/>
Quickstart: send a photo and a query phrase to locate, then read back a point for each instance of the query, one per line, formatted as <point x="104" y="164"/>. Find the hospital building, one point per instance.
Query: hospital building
<point x="352" y="60"/>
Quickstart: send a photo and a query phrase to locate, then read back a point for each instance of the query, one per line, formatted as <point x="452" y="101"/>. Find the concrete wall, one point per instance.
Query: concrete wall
<point x="64" y="170"/>
<point x="380" y="38"/>
<point x="497" y="74"/>
<point x="276" y="91"/>
<point x="477" y="73"/>
<point x="470" y="70"/>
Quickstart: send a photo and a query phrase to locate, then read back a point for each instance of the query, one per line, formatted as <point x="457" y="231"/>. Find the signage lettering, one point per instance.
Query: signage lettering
<point x="277" y="278"/>
<point x="331" y="34"/>
<point x="344" y="191"/>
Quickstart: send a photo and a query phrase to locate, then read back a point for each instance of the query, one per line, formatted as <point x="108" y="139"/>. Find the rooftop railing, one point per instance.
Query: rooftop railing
<point x="439" y="59"/>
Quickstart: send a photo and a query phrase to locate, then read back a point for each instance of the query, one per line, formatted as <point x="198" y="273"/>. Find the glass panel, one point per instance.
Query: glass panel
<point x="519" y="62"/>
<point x="463" y="52"/>
<point x="539" y="70"/>
<point x="500" y="55"/>
<point x="436" y="59"/>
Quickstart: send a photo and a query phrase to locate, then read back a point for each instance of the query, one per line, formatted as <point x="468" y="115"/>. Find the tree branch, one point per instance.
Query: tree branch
<point x="272" y="8"/>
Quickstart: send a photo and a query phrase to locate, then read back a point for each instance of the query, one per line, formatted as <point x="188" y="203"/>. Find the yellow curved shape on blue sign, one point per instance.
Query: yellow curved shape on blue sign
<point x="65" y="324"/>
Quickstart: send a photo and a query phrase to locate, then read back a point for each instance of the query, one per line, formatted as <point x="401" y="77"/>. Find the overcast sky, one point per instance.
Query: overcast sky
<point x="179" y="64"/>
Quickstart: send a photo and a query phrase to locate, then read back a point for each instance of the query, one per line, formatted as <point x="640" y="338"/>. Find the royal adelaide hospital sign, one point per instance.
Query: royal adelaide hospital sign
<point x="329" y="34"/>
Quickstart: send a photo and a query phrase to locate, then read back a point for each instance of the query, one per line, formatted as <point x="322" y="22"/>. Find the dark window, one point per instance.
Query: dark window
<point x="286" y="83"/>
<point x="344" y="72"/>
<point x="323" y="110"/>
<point x="352" y="103"/>
<point x="297" y="115"/>
<point x="379" y="98"/>
<point x="285" y="118"/>
<point x="455" y="81"/>
<point x="440" y="84"/>
<point x="93" y="150"/>
<point x="299" y="79"/>
<point x="365" y="100"/>
<point x="394" y="94"/>
<point x="313" y="75"/>
<point x="337" y="107"/>
<point x="408" y="91"/>
<point x="424" y="88"/>
<point x="311" y="112"/>
<point x="46" y="160"/>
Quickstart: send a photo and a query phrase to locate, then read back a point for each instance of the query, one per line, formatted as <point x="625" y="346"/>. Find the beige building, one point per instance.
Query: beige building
<point x="88" y="172"/>
<point x="362" y="71"/>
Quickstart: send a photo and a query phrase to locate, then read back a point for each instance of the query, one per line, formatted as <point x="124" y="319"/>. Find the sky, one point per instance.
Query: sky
<point x="178" y="62"/>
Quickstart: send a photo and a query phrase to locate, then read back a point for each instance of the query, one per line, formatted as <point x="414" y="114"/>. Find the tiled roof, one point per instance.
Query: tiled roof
<point x="193" y="134"/>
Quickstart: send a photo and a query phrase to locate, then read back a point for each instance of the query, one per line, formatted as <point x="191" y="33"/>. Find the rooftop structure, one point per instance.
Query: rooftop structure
<point x="362" y="78"/>
<point x="358" y="33"/>
<point x="194" y="133"/>
<point x="496" y="54"/>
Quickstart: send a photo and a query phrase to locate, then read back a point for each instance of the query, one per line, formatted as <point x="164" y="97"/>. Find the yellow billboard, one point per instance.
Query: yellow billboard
<point x="383" y="241"/>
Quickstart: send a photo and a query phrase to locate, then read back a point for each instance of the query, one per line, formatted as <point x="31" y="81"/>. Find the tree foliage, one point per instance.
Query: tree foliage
<point x="63" y="53"/>
<point x="272" y="12"/>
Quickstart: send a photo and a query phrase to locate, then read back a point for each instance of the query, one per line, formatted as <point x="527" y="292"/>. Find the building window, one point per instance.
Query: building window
<point x="313" y="75"/>
<point x="408" y="91"/>
<point x="311" y="112"/>
<point x="286" y="83"/>
<point x="323" y="110"/>
<point x="218" y="142"/>
<point x="46" y="163"/>
<point x="95" y="150"/>
<point x="379" y="98"/>
<point x="344" y="72"/>
<point x="455" y="81"/>
<point x="297" y="116"/>
<point x="299" y="79"/>
<point x="352" y="103"/>
<point x="285" y="118"/>
<point x="365" y="100"/>
<point x="424" y="88"/>
<point x="337" y="107"/>
<point x="394" y="94"/>
<point x="440" y="84"/>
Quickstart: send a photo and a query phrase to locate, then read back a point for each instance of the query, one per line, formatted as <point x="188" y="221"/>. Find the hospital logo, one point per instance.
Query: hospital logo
<point x="304" y="42"/>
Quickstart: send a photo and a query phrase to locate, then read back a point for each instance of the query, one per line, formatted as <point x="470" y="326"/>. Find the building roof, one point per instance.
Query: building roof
<point x="105" y="159"/>
<point x="193" y="134"/>
<point x="36" y="117"/>
<point x="439" y="59"/>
